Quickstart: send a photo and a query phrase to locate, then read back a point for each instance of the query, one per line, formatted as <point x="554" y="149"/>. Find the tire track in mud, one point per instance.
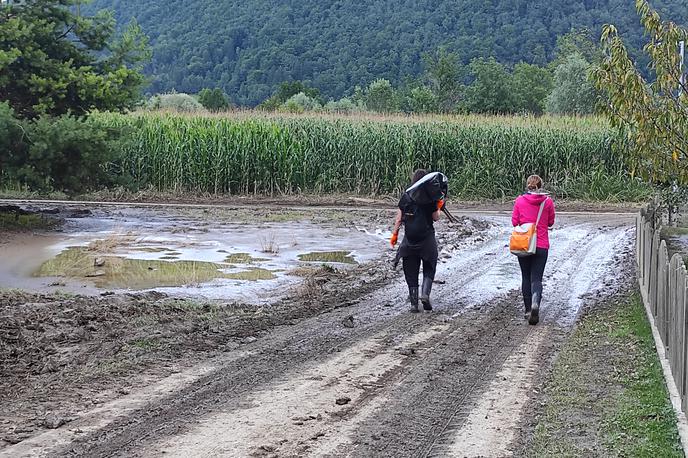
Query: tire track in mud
<point x="467" y="353"/>
<point x="278" y="356"/>
<point x="241" y="377"/>
<point x="501" y="353"/>
<point x="488" y="429"/>
<point x="441" y="411"/>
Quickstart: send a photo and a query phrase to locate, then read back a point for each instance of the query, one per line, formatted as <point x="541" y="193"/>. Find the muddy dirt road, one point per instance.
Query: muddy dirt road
<point x="368" y="378"/>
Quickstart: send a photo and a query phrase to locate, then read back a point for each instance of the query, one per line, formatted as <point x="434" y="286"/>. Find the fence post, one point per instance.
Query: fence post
<point x="639" y="246"/>
<point x="670" y="312"/>
<point x="663" y="286"/>
<point x="684" y="357"/>
<point x="653" y="274"/>
<point x="675" y="317"/>
<point x="680" y="305"/>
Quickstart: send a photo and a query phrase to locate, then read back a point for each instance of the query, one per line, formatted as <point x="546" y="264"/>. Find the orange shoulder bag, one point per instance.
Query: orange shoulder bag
<point x="523" y="240"/>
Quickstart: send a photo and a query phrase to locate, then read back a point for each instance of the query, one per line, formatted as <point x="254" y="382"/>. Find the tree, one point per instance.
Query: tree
<point x="574" y="92"/>
<point x="343" y="106"/>
<point x="381" y="97"/>
<point x="653" y="116"/>
<point x="213" y="99"/>
<point x="176" y="101"/>
<point x="443" y="72"/>
<point x="531" y="86"/>
<point x="55" y="62"/>
<point x="422" y="100"/>
<point x="67" y="153"/>
<point x="336" y="44"/>
<point x="492" y="88"/>
<point x="577" y="41"/>
<point x="10" y="139"/>
<point x="298" y="103"/>
<point x="287" y="90"/>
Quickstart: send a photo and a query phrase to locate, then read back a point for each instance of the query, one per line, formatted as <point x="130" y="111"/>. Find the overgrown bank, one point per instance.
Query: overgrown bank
<point x="607" y="395"/>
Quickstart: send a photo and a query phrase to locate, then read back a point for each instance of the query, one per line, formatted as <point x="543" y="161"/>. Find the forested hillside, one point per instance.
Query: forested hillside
<point x="247" y="47"/>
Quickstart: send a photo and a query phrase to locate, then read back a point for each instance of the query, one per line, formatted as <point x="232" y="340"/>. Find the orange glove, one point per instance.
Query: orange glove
<point x="440" y="204"/>
<point x="393" y="239"/>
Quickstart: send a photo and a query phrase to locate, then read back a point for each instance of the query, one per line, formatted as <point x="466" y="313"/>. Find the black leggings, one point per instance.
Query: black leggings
<point x="532" y="268"/>
<point x="412" y="269"/>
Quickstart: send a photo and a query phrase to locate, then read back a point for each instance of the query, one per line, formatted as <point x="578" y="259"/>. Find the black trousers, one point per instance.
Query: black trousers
<point x="532" y="269"/>
<point x="413" y="255"/>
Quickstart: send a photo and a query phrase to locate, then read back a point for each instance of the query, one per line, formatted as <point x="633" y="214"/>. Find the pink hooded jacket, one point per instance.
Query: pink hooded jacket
<point x="526" y="210"/>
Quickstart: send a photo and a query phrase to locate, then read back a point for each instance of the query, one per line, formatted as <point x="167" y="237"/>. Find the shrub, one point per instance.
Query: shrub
<point x="66" y="153"/>
<point x="298" y="103"/>
<point x="213" y="99"/>
<point x="10" y="140"/>
<point x="344" y="106"/>
<point x="179" y="102"/>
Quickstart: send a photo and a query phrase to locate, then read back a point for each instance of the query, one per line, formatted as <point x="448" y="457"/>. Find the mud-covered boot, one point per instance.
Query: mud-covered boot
<point x="413" y="298"/>
<point x="535" y="310"/>
<point x="425" y="294"/>
<point x="528" y="302"/>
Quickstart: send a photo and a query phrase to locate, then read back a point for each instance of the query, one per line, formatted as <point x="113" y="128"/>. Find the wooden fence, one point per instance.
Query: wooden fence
<point x="665" y="290"/>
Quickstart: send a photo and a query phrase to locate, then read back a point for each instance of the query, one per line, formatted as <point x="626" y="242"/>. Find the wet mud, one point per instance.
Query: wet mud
<point x="337" y="367"/>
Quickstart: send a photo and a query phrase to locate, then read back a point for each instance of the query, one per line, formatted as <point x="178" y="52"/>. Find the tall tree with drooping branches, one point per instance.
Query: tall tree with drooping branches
<point x="652" y="114"/>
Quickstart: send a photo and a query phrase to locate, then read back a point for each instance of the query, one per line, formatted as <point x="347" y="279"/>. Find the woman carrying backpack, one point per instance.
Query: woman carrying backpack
<point x="419" y="244"/>
<point x="526" y="210"/>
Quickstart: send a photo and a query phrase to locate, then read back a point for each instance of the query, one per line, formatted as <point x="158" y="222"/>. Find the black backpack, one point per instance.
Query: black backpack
<point x="417" y="220"/>
<point x="417" y="205"/>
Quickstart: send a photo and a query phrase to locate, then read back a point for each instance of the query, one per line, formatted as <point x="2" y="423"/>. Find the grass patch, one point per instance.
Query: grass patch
<point x="607" y="395"/>
<point x="252" y="274"/>
<point x="342" y="257"/>
<point x="30" y="222"/>
<point x="118" y="272"/>
<point x="22" y="193"/>
<point x="643" y="422"/>
<point x="242" y="258"/>
<point x="145" y="344"/>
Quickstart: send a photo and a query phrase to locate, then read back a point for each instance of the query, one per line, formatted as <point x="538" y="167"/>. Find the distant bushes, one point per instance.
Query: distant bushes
<point x="179" y="102"/>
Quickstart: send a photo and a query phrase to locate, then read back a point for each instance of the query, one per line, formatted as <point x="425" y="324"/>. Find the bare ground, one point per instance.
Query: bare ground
<point x="342" y="371"/>
<point x="382" y="202"/>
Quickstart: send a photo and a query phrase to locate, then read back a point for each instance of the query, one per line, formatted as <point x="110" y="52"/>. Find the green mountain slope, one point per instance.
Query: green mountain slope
<point x="247" y="47"/>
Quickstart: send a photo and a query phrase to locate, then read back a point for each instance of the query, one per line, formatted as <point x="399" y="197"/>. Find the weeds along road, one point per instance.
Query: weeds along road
<point x="454" y="382"/>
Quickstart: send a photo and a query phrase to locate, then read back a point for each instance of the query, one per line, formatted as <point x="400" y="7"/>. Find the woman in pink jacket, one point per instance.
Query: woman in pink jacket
<point x="526" y="210"/>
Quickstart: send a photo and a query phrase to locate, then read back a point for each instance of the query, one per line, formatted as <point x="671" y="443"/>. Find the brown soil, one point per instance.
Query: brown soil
<point x="57" y="353"/>
<point x="338" y="367"/>
<point x="329" y="201"/>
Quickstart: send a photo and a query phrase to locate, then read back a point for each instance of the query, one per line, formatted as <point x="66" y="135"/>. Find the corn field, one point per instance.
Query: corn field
<point x="483" y="157"/>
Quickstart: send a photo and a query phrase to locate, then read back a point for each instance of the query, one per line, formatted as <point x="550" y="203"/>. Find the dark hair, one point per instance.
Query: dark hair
<point x="418" y="174"/>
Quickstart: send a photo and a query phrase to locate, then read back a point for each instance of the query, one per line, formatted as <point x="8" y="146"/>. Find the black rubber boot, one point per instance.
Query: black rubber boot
<point x="425" y="293"/>
<point x="528" y="302"/>
<point x="535" y="310"/>
<point x="413" y="298"/>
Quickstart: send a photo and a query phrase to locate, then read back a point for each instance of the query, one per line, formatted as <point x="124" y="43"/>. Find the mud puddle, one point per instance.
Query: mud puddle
<point x="188" y="254"/>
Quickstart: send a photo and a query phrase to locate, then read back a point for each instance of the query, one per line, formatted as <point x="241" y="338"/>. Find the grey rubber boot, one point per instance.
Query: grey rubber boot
<point x="413" y="298"/>
<point x="425" y="293"/>
<point x="535" y="310"/>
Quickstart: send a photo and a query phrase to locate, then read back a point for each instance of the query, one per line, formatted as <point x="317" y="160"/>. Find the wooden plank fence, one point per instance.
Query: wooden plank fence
<point x="665" y="288"/>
